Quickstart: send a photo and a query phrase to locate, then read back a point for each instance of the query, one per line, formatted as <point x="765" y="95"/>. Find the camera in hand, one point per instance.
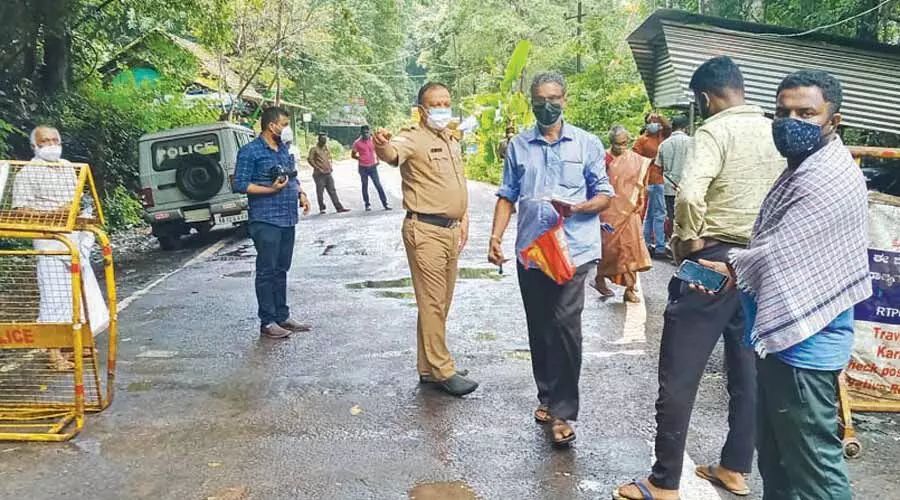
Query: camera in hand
<point x="281" y="174"/>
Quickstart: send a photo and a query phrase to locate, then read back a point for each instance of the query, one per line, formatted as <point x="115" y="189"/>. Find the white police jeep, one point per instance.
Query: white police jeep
<point x="186" y="178"/>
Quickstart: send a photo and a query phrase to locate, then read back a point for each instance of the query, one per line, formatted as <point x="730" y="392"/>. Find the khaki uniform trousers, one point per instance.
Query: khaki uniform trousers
<point x="433" y="253"/>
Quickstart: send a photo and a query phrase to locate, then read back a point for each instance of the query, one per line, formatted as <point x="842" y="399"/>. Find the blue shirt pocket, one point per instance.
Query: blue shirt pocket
<point x="262" y="174"/>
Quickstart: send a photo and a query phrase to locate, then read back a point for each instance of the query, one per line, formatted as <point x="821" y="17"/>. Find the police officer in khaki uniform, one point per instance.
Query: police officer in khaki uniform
<point x="436" y="227"/>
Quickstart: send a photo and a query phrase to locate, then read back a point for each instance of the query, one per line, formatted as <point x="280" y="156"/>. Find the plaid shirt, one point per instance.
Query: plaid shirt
<point x="255" y="163"/>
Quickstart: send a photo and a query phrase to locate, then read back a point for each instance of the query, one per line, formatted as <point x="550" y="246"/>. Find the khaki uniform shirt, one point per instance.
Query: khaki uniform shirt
<point x="320" y="160"/>
<point x="434" y="178"/>
<point x="727" y="175"/>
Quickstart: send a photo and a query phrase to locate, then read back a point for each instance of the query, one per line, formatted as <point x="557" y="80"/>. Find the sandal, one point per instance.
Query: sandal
<point x="604" y="291"/>
<point x="642" y="488"/>
<point x="560" y="437"/>
<point x="632" y="297"/>
<point x="542" y="415"/>
<point x="708" y="472"/>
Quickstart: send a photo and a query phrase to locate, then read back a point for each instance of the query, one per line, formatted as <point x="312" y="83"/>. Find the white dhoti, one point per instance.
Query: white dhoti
<point x="54" y="277"/>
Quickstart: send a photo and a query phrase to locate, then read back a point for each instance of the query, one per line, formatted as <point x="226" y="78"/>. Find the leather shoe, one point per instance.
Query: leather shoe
<point x="458" y="386"/>
<point x="429" y="379"/>
<point x="273" y="331"/>
<point x="294" y="326"/>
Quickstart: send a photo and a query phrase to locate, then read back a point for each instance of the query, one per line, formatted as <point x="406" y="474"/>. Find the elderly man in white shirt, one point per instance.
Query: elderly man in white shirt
<point x="41" y="189"/>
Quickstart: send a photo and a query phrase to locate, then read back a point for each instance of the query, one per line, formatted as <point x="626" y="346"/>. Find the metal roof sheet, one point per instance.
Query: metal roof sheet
<point x="670" y="45"/>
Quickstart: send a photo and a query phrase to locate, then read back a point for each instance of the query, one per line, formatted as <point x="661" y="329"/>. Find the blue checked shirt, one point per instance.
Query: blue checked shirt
<point x="573" y="169"/>
<point x="255" y="162"/>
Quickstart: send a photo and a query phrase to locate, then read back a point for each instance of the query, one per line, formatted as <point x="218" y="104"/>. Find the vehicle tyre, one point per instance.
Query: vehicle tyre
<point x="199" y="177"/>
<point x="169" y="242"/>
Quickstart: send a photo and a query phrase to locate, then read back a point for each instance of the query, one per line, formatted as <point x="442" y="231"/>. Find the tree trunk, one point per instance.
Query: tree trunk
<point x="756" y="11"/>
<point x="57" y="70"/>
<point x="868" y="24"/>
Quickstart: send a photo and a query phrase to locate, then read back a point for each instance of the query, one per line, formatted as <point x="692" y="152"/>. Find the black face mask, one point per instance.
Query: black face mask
<point x="547" y="113"/>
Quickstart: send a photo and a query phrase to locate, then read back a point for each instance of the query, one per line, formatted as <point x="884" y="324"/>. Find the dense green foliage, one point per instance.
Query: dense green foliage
<point x="325" y="54"/>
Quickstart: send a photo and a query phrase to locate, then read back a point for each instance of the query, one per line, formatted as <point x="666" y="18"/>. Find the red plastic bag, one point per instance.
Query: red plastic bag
<point x="550" y="253"/>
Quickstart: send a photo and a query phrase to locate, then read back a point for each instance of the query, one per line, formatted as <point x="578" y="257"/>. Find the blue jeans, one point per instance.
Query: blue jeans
<point x="655" y="220"/>
<point x="364" y="174"/>
<point x="274" y="250"/>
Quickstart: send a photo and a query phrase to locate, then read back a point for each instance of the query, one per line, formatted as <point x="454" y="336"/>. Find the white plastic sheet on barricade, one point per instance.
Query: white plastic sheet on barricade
<point x="874" y="370"/>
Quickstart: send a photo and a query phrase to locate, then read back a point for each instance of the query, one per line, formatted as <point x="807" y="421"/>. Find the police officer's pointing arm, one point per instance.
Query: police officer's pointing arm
<point x="383" y="147"/>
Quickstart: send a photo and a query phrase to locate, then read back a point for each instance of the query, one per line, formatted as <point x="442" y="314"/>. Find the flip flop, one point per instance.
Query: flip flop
<point x="645" y="492"/>
<point x="546" y="418"/>
<point x="566" y="441"/>
<point x="706" y="472"/>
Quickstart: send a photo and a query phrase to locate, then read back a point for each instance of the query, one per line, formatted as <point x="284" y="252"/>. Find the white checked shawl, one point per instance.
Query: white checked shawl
<point x="807" y="260"/>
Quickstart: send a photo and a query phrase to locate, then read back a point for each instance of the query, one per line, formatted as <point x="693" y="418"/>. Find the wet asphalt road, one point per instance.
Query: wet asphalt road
<point x="206" y="409"/>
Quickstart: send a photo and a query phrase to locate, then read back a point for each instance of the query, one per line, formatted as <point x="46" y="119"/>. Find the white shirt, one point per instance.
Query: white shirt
<point x="41" y="187"/>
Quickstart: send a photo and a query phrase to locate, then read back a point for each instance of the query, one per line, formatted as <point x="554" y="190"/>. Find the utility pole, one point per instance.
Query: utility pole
<point x="278" y="57"/>
<point x="578" y="18"/>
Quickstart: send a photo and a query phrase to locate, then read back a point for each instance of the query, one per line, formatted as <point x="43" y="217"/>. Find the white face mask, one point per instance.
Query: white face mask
<point x="439" y="118"/>
<point x="48" y="153"/>
<point x="287" y="135"/>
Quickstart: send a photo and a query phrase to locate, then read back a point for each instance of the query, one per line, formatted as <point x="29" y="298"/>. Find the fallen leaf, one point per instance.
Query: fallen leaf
<point x="356" y="410"/>
<point x="214" y="464"/>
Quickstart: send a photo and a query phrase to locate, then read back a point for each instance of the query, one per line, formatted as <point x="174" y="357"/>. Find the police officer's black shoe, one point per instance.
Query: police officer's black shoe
<point x="429" y="379"/>
<point x="458" y="386"/>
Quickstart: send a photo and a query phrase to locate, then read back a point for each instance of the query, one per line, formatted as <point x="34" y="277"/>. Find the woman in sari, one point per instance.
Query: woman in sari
<point x="624" y="251"/>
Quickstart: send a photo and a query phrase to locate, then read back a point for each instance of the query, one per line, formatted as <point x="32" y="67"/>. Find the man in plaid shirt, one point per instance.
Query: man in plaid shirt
<point x="266" y="173"/>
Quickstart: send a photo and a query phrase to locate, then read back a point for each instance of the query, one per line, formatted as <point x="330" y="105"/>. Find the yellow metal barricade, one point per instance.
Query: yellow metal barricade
<point x="51" y="304"/>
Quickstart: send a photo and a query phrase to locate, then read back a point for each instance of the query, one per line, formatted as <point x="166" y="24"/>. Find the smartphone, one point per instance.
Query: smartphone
<point x="692" y="273"/>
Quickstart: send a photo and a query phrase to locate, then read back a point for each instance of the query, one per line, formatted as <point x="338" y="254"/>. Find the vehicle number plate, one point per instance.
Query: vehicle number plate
<point x="232" y="219"/>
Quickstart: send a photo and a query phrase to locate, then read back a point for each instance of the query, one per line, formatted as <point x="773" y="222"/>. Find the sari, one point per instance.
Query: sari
<point x="624" y="250"/>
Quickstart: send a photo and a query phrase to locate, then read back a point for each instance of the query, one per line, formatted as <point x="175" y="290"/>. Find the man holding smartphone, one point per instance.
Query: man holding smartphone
<point x="733" y="164"/>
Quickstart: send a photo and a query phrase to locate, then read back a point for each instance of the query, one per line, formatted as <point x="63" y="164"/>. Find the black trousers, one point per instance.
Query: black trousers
<point x="325" y="182"/>
<point x="553" y="314"/>
<point x="693" y="323"/>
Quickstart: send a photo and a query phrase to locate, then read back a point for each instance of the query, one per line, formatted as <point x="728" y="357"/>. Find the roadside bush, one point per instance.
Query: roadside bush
<point x="121" y="210"/>
<point x="337" y="151"/>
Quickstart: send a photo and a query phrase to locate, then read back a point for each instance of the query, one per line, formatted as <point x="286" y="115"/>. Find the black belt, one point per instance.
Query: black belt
<point x="434" y="220"/>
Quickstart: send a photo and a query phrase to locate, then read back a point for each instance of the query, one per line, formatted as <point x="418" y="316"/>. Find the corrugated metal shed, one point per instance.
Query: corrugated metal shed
<point x="671" y="44"/>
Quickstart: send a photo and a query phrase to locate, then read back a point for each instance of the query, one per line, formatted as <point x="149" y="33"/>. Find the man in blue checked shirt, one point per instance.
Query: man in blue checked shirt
<point x="266" y="173"/>
<point x="553" y="170"/>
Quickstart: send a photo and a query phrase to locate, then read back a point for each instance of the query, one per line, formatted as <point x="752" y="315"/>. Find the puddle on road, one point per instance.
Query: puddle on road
<point x="239" y="274"/>
<point x="465" y="273"/>
<point x="390" y="294"/>
<point x="479" y="273"/>
<point x="242" y="252"/>
<point x="486" y="336"/>
<point x="518" y="355"/>
<point x="443" y="490"/>
<point x="346" y="249"/>
<point x="144" y="385"/>
<point x="398" y="283"/>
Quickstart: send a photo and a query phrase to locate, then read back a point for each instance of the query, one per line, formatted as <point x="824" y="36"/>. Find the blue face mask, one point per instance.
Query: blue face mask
<point x="796" y="139"/>
<point x="654" y="128"/>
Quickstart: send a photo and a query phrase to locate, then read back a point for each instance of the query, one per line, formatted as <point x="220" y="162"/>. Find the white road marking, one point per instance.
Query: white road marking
<point x="635" y="328"/>
<point x="197" y="258"/>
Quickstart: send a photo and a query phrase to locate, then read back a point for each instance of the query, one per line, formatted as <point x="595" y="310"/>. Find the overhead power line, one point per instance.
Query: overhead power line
<point x="827" y="26"/>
